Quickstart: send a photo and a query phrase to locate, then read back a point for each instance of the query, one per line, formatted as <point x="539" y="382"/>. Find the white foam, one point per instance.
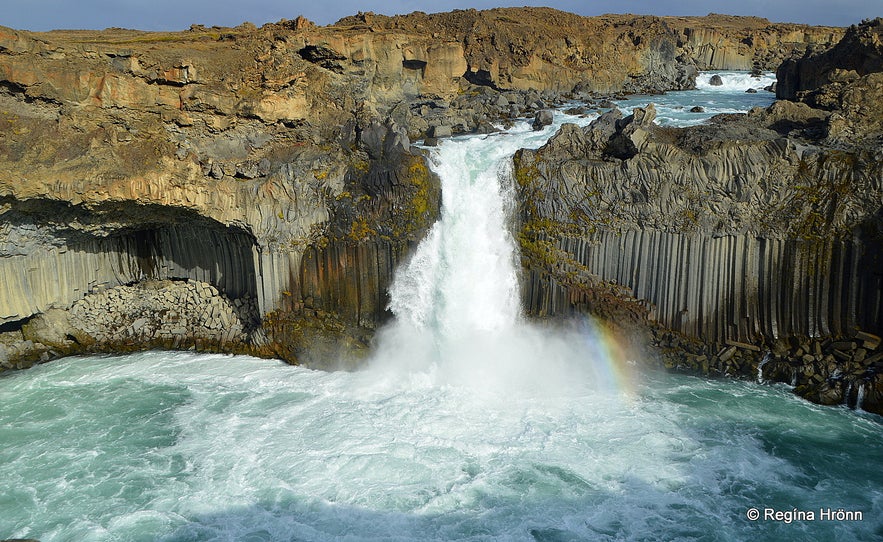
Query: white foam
<point x="734" y="81"/>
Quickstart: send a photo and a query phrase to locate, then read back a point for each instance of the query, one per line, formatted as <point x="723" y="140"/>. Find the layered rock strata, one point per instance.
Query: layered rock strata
<point x="545" y="49"/>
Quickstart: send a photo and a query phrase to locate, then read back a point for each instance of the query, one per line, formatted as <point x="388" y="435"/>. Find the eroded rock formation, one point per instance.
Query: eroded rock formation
<point x="757" y="235"/>
<point x="129" y="157"/>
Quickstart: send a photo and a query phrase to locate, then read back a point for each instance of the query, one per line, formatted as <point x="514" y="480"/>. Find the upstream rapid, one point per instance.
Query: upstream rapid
<point x="469" y="424"/>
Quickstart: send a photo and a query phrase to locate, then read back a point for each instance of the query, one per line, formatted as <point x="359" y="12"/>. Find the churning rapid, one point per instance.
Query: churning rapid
<point x="469" y="424"/>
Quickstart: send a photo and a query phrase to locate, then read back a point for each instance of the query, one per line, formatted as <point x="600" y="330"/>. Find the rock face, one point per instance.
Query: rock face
<point x="858" y="54"/>
<point x="545" y="49"/>
<point x="207" y="161"/>
<point x="755" y="239"/>
<point x="272" y="167"/>
<point x="723" y="42"/>
<point x="645" y="206"/>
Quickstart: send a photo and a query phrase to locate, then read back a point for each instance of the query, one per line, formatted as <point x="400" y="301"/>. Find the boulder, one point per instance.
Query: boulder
<point x="716" y="81"/>
<point x="543" y="118"/>
<point x="439" y="131"/>
<point x="52" y="328"/>
<point x="697" y="109"/>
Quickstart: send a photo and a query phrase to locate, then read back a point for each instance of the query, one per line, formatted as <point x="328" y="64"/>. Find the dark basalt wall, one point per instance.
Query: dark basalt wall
<point x="56" y="254"/>
<point x="739" y="288"/>
<point x="754" y="240"/>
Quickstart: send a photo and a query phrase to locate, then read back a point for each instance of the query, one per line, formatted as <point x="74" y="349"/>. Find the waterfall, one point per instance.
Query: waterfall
<point x="462" y="279"/>
<point x="766" y="358"/>
<point x="860" y="396"/>
<point x="457" y="302"/>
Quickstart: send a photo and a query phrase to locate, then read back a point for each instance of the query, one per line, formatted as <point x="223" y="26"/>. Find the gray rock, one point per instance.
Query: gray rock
<point x="50" y="328"/>
<point x="542" y="118"/>
<point x="439" y="131"/>
<point x="485" y="127"/>
<point x="139" y="324"/>
<point x="716" y="81"/>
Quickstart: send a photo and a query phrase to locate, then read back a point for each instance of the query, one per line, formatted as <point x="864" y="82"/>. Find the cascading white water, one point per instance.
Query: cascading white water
<point x="766" y="358"/>
<point x="462" y="279"/>
<point x="860" y="396"/>
<point x="457" y="302"/>
<point x="734" y="81"/>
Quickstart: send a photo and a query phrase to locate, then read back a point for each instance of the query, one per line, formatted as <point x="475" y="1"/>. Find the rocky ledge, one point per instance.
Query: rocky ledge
<point x="748" y="247"/>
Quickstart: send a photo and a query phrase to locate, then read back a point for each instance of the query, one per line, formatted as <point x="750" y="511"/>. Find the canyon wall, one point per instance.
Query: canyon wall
<point x="266" y="175"/>
<point x="130" y="158"/>
<point x="755" y="239"/>
<point x="545" y="49"/>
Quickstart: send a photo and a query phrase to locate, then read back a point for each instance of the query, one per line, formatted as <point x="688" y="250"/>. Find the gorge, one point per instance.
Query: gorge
<point x="514" y="296"/>
<point x="468" y="421"/>
<point x="252" y="190"/>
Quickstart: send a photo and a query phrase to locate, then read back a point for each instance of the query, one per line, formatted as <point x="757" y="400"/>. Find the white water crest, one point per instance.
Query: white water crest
<point x="734" y="81"/>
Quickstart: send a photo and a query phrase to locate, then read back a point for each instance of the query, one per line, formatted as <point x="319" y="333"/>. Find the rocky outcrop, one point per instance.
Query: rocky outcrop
<point x="791" y="225"/>
<point x="128" y="163"/>
<point x="150" y="314"/>
<point x="754" y="241"/>
<point x="858" y="54"/>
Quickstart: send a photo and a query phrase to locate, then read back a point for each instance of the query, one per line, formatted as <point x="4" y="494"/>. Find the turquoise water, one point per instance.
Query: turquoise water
<point x="180" y="447"/>
<point x="468" y="424"/>
<point x="673" y="108"/>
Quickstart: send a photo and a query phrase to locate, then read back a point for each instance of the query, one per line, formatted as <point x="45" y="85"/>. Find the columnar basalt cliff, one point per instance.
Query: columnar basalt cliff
<point x="158" y="188"/>
<point x="753" y="240"/>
